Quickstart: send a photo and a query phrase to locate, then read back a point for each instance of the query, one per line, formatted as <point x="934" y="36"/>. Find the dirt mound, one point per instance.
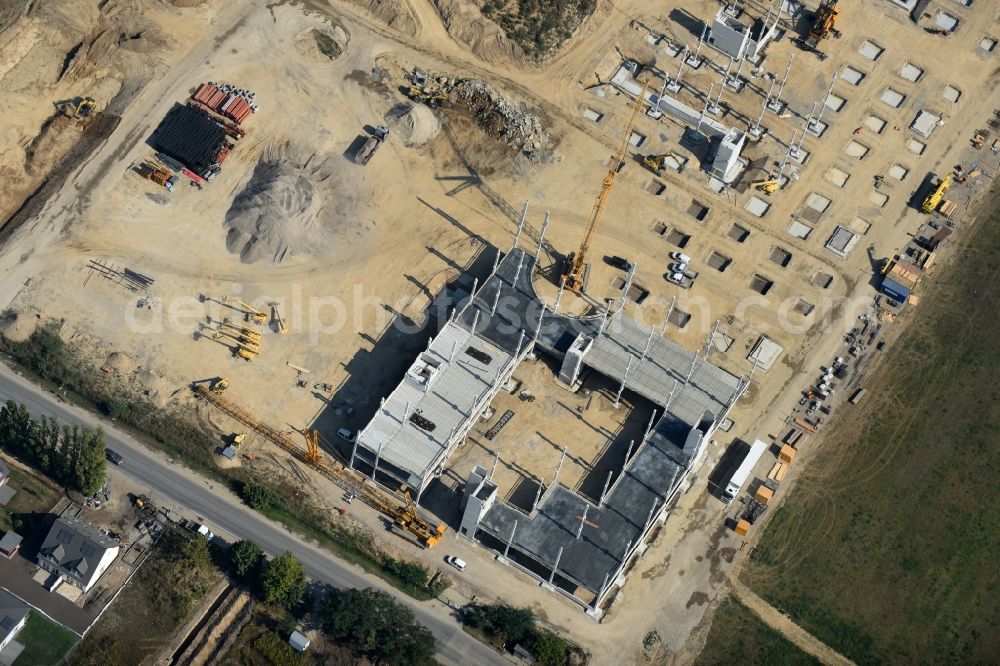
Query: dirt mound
<point x="467" y="25"/>
<point x="150" y="381"/>
<point x="119" y="361"/>
<point x="56" y="136"/>
<point x="17" y="326"/>
<point x="414" y="124"/>
<point x="394" y="13"/>
<point x="288" y="206"/>
<point x="520" y="129"/>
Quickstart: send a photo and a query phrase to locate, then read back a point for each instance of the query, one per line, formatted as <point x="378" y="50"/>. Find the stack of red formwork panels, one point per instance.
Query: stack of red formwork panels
<point x="204" y="93"/>
<point x="237" y="108"/>
<point x="223" y="153"/>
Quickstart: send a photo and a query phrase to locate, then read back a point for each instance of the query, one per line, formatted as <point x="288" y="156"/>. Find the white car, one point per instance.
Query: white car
<point x="677" y="268"/>
<point x="346" y="434"/>
<point x="676" y="278"/>
<point x="680" y="257"/>
<point x="456" y="562"/>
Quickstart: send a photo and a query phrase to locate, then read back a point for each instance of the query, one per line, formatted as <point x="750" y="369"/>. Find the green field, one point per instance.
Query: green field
<point x="34" y="497"/>
<point x="738" y="636"/>
<point x="886" y="549"/>
<point x="44" y="643"/>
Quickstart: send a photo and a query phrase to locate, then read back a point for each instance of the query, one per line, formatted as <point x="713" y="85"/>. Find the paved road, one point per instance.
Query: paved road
<point x="168" y="482"/>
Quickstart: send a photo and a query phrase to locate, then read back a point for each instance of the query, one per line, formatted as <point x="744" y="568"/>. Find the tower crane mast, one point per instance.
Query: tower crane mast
<point x="578" y="263"/>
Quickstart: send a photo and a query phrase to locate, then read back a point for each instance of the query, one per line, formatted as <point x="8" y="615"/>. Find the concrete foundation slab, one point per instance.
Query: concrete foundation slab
<point x="916" y="147"/>
<point x="757" y="206"/>
<point x="818" y="202"/>
<point x="911" y="72"/>
<point x="893" y="98"/>
<point x="951" y="93"/>
<point x="925" y="123"/>
<point x="898" y="171"/>
<point x="835" y="103"/>
<point x="855" y="149"/>
<point x="878" y="198"/>
<point x="851" y="75"/>
<point x="875" y="124"/>
<point x="799" y="229"/>
<point x="838" y="177"/>
<point x="860" y="225"/>
<point x="871" y="50"/>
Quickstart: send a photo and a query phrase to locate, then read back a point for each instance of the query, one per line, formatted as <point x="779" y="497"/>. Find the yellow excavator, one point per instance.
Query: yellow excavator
<point x="769" y="186"/>
<point x="574" y="277"/>
<point x="78" y="108"/>
<point x="243" y="331"/>
<point x="658" y="163"/>
<point x="823" y="27"/>
<point x="431" y="96"/>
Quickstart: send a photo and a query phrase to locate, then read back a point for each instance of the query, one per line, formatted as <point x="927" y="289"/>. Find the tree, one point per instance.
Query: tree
<point x="246" y="556"/>
<point x="373" y="625"/>
<point x="91" y="465"/>
<point x="284" y="581"/>
<point x="502" y="622"/>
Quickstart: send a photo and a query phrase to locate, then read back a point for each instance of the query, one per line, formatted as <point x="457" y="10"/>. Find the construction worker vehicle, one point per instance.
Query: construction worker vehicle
<point x="932" y="200"/>
<point x="78" y="108"/>
<point x="658" y="163"/>
<point x="823" y="27"/>
<point x="377" y="137"/>
<point x="150" y="171"/>
<point x="769" y="186"/>
<point x="398" y="506"/>
<point x="429" y="95"/>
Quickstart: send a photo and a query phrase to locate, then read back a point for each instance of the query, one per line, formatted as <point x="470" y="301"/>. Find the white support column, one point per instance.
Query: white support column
<point x="520" y="344"/>
<point x="776" y="105"/>
<point x="559" y="466"/>
<point x="506" y="548"/>
<point x="666" y="317"/>
<point x="670" y="398"/>
<point x="621" y="387"/>
<point x="755" y="130"/>
<point x="496" y="460"/>
<point x="520" y="226"/>
<point x="628" y="454"/>
<point x="694" y="61"/>
<point x="517" y="273"/>
<point x="649" y="343"/>
<point x="538" y="327"/>
<point x="604" y="493"/>
<point x="628" y="285"/>
<point x="649" y="426"/>
<point x="555" y="567"/>
<point x="541" y="239"/>
<point x="652" y="510"/>
<point x="472" y="296"/>
<point x="604" y="319"/>
<point x="538" y="495"/>
<point x="354" y="451"/>
<point x="475" y="321"/>
<point x="675" y="85"/>
<point x="562" y="285"/>
<point x="816" y="127"/>
<point x="710" y="106"/>
<point x="628" y="547"/>
<point x="378" y="457"/>
<point x="496" y="299"/>
<point x="496" y="262"/>
<point x="454" y="349"/>
<point x="583" y="521"/>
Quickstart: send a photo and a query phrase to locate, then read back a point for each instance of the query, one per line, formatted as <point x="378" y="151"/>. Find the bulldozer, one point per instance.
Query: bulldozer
<point x="658" y="163"/>
<point x="78" y="108"/>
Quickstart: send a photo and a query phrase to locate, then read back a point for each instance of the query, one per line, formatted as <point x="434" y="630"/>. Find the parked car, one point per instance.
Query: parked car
<point x="114" y="457"/>
<point x="346" y="434"/>
<point x="680" y="257"/>
<point x="677" y="268"/>
<point x="618" y="262"/>
<point x="456" y="562"/>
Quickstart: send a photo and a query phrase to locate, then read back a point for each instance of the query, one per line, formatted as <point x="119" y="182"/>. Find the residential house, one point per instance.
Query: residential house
<point x="77" y="552"/>
<point x="13" y="615"/>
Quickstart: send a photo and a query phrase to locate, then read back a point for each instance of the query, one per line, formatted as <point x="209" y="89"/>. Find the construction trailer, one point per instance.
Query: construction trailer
<point x="743" y="472"/>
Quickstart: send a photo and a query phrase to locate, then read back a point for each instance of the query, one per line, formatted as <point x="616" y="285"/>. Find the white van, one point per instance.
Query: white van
<point x="456" y="562"/>
<point x="346" y="434"/>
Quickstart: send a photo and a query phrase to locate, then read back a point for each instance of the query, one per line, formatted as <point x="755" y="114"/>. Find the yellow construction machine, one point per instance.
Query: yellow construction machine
<point x="243" y="331"/>
<point x="277" y="319"/>
<point x="78" y="108"/>
<point x="429" y="95"/>
<point x="932" y="200"/>
<point x="574" y="277"/>
<point x="823" y="27"/>
<point x="398" y="506"/>
<point x="245" y="349"/>
<point x="253" y="314"/>
<point x="769" y="186"/>
<point x="658" y="163"/>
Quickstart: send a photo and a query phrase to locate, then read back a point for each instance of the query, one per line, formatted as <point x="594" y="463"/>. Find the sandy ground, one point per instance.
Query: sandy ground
<point x="416" y="215"/>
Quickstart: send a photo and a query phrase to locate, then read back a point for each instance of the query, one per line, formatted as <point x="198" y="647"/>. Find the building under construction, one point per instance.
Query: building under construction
<point x="567" y="541"/>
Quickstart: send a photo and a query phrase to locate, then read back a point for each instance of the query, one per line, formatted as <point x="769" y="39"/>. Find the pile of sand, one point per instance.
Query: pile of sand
<point x="150" y="381"/>
<point x="288" y="206"/>
<point x="414" y="124"/>
<point x="119" y="361"/>
<point x="17" y="326"/>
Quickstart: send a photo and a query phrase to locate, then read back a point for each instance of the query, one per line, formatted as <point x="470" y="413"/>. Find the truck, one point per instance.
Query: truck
<point x="744" y="471"/>
<point x="684" y="279"/>
<point x="377" y="137"/>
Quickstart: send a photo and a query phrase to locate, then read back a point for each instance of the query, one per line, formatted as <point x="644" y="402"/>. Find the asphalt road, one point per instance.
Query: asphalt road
<point x="170" y="483"/>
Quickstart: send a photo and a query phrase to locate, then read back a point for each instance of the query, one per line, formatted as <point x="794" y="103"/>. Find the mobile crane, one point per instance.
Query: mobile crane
<point x="578" y="263"/>
<point x="823" y="27"/>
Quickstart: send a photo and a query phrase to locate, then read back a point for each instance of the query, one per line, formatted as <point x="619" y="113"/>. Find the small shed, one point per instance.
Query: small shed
<point x="229" y="453"/>
<point x="787" y="454"/>
<point x="298" y="641"/>
<point x="9" y="544"/>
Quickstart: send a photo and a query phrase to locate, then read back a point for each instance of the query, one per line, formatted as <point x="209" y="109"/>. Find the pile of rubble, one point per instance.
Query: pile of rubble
<point x="501" y="119"/>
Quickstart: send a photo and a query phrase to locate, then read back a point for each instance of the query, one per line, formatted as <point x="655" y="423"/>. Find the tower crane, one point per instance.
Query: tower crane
<point x="578" y="262"/>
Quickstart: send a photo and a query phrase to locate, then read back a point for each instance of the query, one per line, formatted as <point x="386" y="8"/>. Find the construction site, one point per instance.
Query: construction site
<point x="528" y="312"/>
